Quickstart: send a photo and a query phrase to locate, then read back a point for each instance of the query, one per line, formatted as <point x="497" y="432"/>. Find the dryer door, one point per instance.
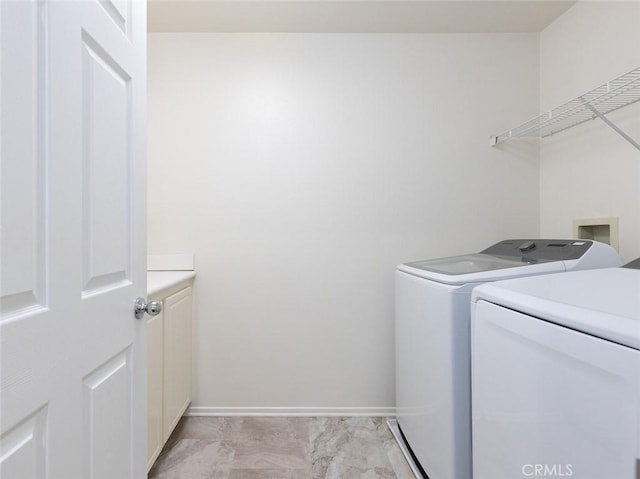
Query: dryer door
<point x="549" y="401"/>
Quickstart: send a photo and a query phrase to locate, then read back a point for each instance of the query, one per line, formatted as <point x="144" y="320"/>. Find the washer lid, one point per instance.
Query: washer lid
<point x="468" y="263"/>
<point x="476" y="268"/>
<point x="601" y="302"/>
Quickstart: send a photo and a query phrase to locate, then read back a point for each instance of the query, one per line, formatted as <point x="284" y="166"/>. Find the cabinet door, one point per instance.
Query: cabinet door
<point x="155" y="433"/>
<point x="177" y="358"/>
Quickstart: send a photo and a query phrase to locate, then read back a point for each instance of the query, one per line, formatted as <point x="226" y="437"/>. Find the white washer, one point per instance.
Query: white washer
<point x="556" y="376"/>
<point x="433" y="345"/>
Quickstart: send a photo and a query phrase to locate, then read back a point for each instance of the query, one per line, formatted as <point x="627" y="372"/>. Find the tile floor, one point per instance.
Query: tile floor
<point x="281" y="448"/>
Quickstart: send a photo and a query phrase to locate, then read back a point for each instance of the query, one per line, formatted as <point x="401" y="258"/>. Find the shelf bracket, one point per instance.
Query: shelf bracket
<point x="612" y="125"/>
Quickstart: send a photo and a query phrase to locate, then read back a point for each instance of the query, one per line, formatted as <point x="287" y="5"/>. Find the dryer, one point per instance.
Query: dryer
<point x="556" y="376"/>
<point x="433" y="381"/>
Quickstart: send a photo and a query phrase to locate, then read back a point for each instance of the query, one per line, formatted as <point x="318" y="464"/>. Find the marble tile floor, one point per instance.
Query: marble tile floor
<point x="281" y="448"/>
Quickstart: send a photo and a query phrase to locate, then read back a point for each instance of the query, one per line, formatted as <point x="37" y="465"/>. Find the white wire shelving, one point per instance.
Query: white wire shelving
<point x="596" y="103"/>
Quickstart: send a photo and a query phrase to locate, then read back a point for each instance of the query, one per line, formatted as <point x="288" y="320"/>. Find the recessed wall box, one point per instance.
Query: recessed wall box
<point x="604" y="230"/>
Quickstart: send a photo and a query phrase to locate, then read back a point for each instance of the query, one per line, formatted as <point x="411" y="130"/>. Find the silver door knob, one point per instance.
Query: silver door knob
<point x="141" y="306"/>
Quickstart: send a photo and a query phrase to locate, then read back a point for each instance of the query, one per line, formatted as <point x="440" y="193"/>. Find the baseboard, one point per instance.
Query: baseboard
<point x="291" y="411"/>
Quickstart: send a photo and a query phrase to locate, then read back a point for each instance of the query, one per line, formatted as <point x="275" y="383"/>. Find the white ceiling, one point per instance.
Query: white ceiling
<point x="354" y="16"/>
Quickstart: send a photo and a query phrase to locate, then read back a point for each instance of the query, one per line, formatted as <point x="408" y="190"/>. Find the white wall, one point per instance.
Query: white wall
<point x="301" y="168"/>
<point x="590" y="171"/>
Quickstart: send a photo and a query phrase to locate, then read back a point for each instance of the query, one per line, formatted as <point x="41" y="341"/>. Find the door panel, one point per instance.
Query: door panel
<point x="72" y="357"/>
<point x="120" y="13"/>
<point x="155" y="437"/>
<point x="107" y="155"/>
<point x="177" y="358"/>
<point x="24" y="448"/>
<point x="108" y="437"/>
<point x="23" y="248"/>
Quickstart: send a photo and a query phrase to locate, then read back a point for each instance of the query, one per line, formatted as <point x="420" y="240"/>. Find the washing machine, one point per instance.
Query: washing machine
<point x="556" y="376"/>
<point x="433" y="376"/>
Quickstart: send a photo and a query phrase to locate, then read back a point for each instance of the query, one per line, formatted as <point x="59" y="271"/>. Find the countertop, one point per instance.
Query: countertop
<point x="165" y="281"/>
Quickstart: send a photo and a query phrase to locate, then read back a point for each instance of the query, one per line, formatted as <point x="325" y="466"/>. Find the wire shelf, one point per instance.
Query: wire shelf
<point x="609" y="97"/>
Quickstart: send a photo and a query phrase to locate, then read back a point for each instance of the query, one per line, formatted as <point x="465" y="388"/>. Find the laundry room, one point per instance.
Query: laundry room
<point x="320" y="239"/>
<point x="301" y="165"/>
<point x="300" y="160"/>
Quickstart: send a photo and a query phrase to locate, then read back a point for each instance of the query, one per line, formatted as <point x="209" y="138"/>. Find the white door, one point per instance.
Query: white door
<point x="72" y="136"/>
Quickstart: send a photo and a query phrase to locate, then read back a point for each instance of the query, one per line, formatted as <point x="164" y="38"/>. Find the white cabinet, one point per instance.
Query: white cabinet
<point x="169" y="362"/>
<point x="177" y="359"/>
<point x="155" y="438"/>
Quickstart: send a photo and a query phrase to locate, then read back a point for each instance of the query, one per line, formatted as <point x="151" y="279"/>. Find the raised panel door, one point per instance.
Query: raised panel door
<point x="154" y="388"/>
<point x="177" y="357"/>
<point x="72" y="365"/>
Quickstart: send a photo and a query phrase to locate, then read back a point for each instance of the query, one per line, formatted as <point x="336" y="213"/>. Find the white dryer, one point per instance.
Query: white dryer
<point x="433" y="376"/>
<point x="556" y="376"/>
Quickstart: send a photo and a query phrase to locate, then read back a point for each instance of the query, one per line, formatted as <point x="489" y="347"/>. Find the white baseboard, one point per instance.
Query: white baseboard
<point x="291" y="411"/>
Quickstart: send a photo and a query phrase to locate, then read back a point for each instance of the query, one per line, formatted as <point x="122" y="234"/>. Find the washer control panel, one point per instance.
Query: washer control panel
<point x="540" y="250"/>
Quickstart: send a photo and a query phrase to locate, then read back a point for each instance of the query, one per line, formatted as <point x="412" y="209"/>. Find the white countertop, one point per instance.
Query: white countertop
<point x="159" y="281"/>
